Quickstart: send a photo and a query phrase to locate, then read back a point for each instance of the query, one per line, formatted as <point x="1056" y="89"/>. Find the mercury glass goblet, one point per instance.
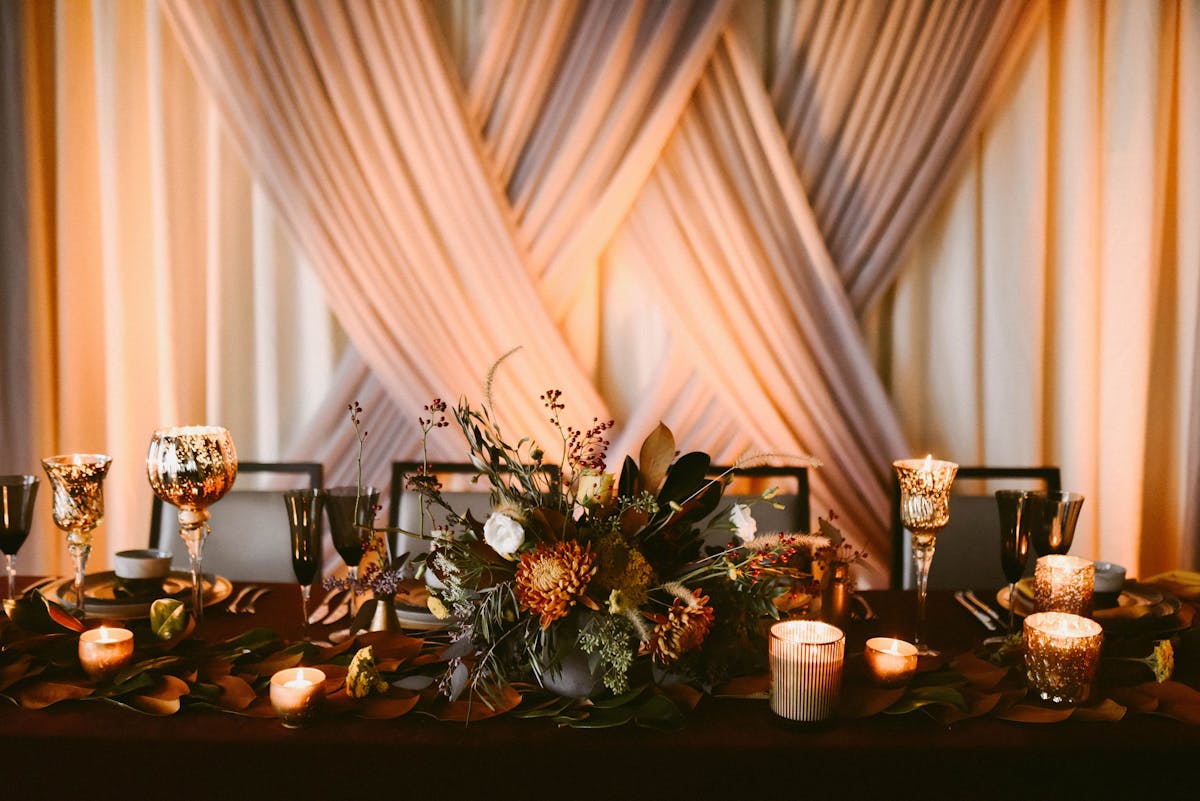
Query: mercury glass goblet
<point x="191" y="468"/>
<point x="924" y="510"/>
<point x="17" y="494"/>
<point x="77" y="481"/>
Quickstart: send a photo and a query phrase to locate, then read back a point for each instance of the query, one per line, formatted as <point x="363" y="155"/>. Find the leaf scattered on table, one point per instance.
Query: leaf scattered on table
<point x="684" y="696"/>
<point x="477" y="707"/>
<point x="164" y="699"/>
<point x="978" y="672"/>
<point x="864" y="701"/>
<point x="42" y="694"/>
<point x="236" y="693"/>
<point x="1028" y="713"/>
<point x="392" y="704"/>
<point x="23" y="667"/>
<point x="61" y="616"/>
<point x="274" y="663"/>
<point x="758" y="686"/>
<point x="918" y="697"/>
<point x="391" y="645"/>
<point x="1107" y="711"/>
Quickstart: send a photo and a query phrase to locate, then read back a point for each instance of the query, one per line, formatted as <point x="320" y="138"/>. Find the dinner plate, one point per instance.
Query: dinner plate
<point x="418" y="620"/>
<point x="1134" y="595"/>
<point x="104" y="599"/>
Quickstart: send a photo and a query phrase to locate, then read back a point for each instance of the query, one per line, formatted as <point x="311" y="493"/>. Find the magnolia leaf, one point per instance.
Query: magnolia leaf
<point x="978" y="705"/>
<point x="980" y="673"/>
<point x="1107" y="711"/>
<point x="1141" y="698"/>
<point x="168" y="618"/>
<point x="924" y="696"/>
<point x="684" y="478"/>
<point x="861" y="701"/>
<point x="156" y="663"/>
<point x="252" y="640"/>
<point x="163" y="699"/>
<point x="42" y="694"/>
<point x="393" y="704"/>
<point x="600" y="718"/>
<point x="619" y="700"/>
<point x="629" y="484"/>
<point x="659" y="712"/>
<point x="684" y="696"/>
<point x="23" y="667"/>
<point x="391" y="645"/>
<point x="505" y="699"/>
<point x="1175" y="700"/>
<point x="236" y="693"/>
<point x="61" y="616"/>
<point x="274" y="663"/>
<point x="658" y="451"/>
<point x="758" y="686"/>
<point x="1028" y="713"/>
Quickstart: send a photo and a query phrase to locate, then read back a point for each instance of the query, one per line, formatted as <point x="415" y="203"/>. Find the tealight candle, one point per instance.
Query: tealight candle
<point x="1064" y="584"/>
<point x="1061" y="654"/>
<point x="105" y="650"/>
<point x="297" y="695"/>
<point x="891" y="662"/>
<point x="806" y="669"/>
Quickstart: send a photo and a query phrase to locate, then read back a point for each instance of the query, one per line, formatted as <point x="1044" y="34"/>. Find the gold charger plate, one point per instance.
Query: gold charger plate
<point x="1136" y="600"/>
<point x="105" y="601"/>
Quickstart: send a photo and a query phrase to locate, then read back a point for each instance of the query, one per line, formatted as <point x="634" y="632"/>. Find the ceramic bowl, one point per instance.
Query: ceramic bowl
<point x="142" y="564"/>
<point x="1110" y="578"/>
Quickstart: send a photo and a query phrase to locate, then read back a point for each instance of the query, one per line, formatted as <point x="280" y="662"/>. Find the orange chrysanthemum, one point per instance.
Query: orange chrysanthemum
<point x="551" y="579"/>
<point x="683" y="629"/>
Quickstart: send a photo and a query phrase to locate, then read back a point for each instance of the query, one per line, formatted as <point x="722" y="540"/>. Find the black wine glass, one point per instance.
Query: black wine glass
<point x="17" y="494"/>
<point x="1014" y="542"/>
<point x="304" y="522"/>
<point x="349" y="512"/>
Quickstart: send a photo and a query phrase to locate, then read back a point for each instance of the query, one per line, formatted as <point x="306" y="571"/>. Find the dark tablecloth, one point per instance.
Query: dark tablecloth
<point x="728" y="749"/>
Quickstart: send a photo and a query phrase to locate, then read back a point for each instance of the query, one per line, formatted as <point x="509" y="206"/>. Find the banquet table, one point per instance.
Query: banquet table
<point x="728" y="748"/>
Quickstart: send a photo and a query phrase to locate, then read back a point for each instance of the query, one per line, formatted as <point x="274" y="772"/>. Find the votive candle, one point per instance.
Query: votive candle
<point x="891" y="662"/>
<point x="1064" y="584"/>
<point x="806" y="669"/>
<point x="105" y="650"/>
<point x="1061" y="654"/>
<point x="297" y="694"/>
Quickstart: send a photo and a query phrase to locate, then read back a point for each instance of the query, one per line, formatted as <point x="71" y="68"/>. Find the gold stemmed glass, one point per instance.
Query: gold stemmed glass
<point x="924" y="510"/>
<point x="77" y="480"/>
<point x="192" y="467"/>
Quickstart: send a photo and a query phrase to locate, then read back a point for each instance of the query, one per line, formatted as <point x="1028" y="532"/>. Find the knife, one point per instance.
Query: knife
<point x="982" y="607"/>
<point x="980" y="616"/>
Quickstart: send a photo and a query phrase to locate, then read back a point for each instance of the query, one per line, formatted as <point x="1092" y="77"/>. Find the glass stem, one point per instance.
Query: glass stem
<point x="194" y="529"/>
<point x="353" y="573"/>
<point x="12" y="575"/>
<point x="305" y="591"/>
<point x="1012" y="603"/>
<point x="922" y="553"/>
<point x="79" y="557"/>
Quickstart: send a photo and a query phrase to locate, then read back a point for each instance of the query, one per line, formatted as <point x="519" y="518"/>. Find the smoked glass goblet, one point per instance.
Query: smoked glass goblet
<point x="350" y="512"/>
<point x="17" y="494"/>
<point x="1052" y="519"/>
<point x="77" y="481"/>
<point x="304" y="521"/>
<point x="924" y="510"/>
<point x="191" y="468"/>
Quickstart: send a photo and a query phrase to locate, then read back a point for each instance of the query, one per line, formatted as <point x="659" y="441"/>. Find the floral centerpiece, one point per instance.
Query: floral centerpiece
<point x="577" y="567"/>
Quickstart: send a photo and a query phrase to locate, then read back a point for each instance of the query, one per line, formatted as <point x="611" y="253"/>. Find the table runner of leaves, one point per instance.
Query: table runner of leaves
<point x="39" y="667"/>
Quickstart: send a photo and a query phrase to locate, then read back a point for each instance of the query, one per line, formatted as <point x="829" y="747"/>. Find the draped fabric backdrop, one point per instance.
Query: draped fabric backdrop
<point x="681" y="210"/>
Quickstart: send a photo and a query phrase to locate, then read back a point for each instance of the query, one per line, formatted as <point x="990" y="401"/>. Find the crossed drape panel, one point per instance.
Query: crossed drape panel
<point x="572" y="171"/>
<point x="878" y="102"/>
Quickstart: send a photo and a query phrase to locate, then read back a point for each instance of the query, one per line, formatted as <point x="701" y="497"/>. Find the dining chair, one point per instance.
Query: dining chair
<point x="747" y="485"/>
<point x="967" y="554"/>
<point x="250" y="539"/>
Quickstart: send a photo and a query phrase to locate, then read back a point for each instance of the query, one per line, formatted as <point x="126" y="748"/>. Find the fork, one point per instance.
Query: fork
<point x="248" y="607"/>
<point x="980" y="616"/>
<point x="982" y="607"/>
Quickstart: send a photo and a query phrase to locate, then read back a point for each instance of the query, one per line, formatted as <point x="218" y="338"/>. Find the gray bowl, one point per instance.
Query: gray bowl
<point x="143" y="563"/>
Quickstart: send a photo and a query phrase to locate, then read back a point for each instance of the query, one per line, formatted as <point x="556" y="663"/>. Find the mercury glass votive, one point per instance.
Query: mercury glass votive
<point x="297" y="695"/>
<point x="891" y="662"/>
<point x="806" y="669"/>
<point x="105" y="650"/>
<point x="1061" y="654"/>
<point x="1064" y="584"/>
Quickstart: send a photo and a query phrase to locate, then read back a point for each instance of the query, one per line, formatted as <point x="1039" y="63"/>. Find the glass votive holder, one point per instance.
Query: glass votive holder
<point x="1061" y="654"/>
<point x="297" y="695"/>
<point x="105" y="650"/>
<point x="1064" y="584"/>
<point x="890" y="662"/>
<point x="806" y="669"/>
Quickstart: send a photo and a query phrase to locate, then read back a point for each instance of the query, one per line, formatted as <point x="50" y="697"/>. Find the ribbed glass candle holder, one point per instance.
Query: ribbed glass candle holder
<point x="806" y="669"/>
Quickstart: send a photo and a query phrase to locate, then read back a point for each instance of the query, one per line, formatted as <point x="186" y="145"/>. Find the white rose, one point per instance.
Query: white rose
<point x="743" y="522"/>
<point x="504" y="534"/>
<point x="593" y="487"/>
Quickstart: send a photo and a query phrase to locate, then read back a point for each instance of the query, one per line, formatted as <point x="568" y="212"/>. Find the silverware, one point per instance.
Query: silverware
<point x="248" y="607"/>
<point x="982" y="607"/>
<point x="232" y="608"/>
<point x="980" y="616"/>
<point x="330" y="600"/>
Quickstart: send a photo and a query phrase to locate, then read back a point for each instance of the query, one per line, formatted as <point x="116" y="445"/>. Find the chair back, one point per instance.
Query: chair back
<point x="250" y="540"/>
<point x="747" y="485"/>
<point x="967" y="554"/>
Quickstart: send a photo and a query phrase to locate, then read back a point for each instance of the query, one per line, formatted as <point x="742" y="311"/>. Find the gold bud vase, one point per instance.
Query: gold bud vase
<point x="383" y="616"/>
